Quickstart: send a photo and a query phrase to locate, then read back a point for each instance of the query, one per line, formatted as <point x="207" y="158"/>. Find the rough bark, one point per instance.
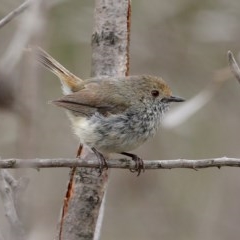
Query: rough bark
<point x="110" y="44"/>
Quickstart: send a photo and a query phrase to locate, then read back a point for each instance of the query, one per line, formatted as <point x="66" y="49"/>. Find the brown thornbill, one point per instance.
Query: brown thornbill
<point x="112" y="114"/>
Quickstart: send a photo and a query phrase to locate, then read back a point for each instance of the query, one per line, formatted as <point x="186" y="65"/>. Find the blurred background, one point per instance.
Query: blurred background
<point x="185" y="42"/>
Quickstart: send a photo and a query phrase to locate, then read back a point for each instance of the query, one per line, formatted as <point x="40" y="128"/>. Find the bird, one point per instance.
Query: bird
<point x="111" y="114"/>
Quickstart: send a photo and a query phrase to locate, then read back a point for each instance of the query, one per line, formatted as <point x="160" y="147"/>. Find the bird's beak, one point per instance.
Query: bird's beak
<point x="175" y="99"/>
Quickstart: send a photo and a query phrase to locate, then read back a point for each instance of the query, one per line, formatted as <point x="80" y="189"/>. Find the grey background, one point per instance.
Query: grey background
<point x="183" y="41"/>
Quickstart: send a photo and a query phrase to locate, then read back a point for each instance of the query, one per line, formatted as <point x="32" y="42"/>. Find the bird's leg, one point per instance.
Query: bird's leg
<point x="101" y="159"/>
<point x="139" y="167"/>
<point x="79" y="151"/>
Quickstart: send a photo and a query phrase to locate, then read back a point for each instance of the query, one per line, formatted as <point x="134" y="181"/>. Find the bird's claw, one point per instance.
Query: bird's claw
<point x="102" y="161"/>
<point x="139" y="164"/>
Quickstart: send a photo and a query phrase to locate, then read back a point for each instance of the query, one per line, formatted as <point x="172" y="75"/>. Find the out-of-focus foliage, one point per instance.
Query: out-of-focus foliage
<point x="186" y="43"/>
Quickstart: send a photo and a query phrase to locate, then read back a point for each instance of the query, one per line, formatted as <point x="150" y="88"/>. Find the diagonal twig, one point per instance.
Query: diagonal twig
<point x="10" y="16"/>
<point x="17" y="11"/>
<point x="233" y="65"/>
<point x="7" y="195"/>
<point x="30" y="25"/>
<point x="18" y="186"/>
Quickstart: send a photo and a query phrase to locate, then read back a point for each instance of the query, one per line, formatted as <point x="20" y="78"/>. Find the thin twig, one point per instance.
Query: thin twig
<point x="119" y="163"/>
<point x="18" y="186"/>
<point x="29" y="25"/>
<point x="234" y="66"/>
<point x="7" y="196"/>
<point x="10" y="16"/>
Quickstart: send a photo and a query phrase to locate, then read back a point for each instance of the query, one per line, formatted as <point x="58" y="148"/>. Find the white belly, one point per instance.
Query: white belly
<point x="115" y="133"/>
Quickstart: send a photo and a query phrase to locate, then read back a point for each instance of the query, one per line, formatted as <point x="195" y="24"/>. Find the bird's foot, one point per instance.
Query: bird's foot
<point x="102" y="161"/>
<point x="139" y="164"/>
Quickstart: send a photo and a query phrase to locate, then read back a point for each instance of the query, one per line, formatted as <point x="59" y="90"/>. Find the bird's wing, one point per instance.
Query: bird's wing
<point x="103" y="96"/>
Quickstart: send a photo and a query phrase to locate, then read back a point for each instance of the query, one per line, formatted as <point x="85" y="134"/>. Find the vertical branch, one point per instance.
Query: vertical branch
<point x="84" y="197"/>
<point x="8" y="186"/>
<point x="233" y="65"/>
<point x="110" y="39"/>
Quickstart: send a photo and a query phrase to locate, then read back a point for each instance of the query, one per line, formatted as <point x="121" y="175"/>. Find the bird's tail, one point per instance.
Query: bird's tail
<point x="70" y="82"/>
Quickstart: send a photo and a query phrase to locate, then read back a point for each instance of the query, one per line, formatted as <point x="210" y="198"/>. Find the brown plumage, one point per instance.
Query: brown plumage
<point x="112" y="114"/>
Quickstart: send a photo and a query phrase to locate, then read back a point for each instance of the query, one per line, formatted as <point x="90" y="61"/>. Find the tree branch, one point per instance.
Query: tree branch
<point x="8" y="185"/>
<point x="14" y="13"/>
<point x="17" y="11"/>
<point x="233" y="65"/>
<point x="122" y="163"/>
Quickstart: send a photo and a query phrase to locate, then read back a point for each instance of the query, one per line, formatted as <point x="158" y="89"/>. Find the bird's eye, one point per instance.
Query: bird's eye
<point x="155" y="93"/>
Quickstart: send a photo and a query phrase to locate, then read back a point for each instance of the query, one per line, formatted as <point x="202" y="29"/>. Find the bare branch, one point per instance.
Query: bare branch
<point x="18" y="186"/>
<point x="7" y="195"/>
<point x="119" y="163"/>
<point x="10" y="16"/>
<point x="234" y="66"/>
<point x="30" y="25"/>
